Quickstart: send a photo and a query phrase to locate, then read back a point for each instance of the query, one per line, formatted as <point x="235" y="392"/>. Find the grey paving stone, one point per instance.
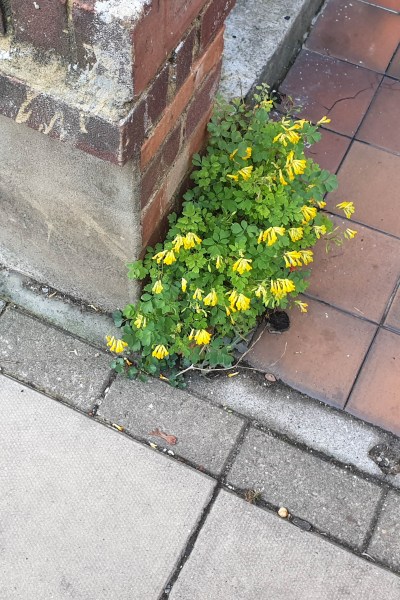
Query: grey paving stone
<point x="205" y="433"/>
<point x="56" y="309"/>
<point x="51" y="360"/>
<point x="245" y="553"/>
<point x="85" y="512"/>
<point x="2" y="305"/>
<point x="385" y="542"/>
<point x="332" y="499"/>
<point x="303" y="419"/>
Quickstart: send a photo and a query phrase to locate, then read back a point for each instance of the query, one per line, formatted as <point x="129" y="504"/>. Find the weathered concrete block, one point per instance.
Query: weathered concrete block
<point x="385" y="542"/>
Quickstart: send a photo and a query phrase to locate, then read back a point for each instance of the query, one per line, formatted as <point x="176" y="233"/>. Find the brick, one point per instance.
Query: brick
<point x="83" y="19"/>
<point x="183" y="57"/>
<point x="151" y="217"/>
<point x="101" y="138"/>
<point x="213" y="19"/>
<point x="157" y="96"/>
<point x="203" y="101"/>
<point x="178" y="17"/>
<point x="149" y="45"/>
<point x="133" y="131"/>
<point x="45" y="27"/>
<point x="173" y="112"/>
<point x="198" y="139"/>
<point x="168" y="120"/>
<point x="161" y="163"/>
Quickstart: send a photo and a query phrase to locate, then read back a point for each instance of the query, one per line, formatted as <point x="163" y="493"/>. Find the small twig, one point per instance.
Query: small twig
<point x="193" y="368"/>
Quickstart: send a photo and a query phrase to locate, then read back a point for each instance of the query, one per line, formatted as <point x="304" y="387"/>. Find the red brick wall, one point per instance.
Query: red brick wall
<point x="176" y="48"/>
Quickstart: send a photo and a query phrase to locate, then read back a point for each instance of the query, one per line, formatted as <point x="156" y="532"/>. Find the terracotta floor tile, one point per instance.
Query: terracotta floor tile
<point x="393" y="318"/>
<point x="358" y="276"/>
<point x="328" y="153"/>
<point x="319" y="355"/>
<point x="326" y="86"/>
<point x="394" y="67"/>
<point x="382" y="124"/>
<point x="371" y="179"/>
<point x="376" y="395"/>
<point x="357" y="32"/>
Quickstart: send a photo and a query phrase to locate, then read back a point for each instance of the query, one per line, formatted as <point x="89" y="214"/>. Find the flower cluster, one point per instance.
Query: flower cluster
<point x="240" y="246"/>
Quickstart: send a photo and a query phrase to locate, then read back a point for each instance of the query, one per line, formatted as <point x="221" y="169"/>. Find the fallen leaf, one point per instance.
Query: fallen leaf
<point x="233" y="374"/>
<point x="153" y="445"/>
<point x="119" y="427"/>
<point x="270" y="377"/>
<point x="170" y="439"/>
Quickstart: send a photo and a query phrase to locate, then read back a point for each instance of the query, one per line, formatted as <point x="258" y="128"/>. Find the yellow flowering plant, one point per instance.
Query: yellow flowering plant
<point x="239" y="247"/>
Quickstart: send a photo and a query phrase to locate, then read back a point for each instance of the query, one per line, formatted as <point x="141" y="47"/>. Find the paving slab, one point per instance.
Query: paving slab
<point x="243" y="553"/>
<point x="51" y="360"/>
<point x="332" y="499"/>
<point x="300" y="418"/>
<point x="85" y="512"/>
<point x="205" y="434"/>
<point x="385" y="542"/>
<point x="2" y="305"/>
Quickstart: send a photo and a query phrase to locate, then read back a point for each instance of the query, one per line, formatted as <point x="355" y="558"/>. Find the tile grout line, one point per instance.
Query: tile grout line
<point x="220" y="482"/>
<point x="379" y="328"/>
<point x="375" y="519"/>
<point x="389" y="10"/>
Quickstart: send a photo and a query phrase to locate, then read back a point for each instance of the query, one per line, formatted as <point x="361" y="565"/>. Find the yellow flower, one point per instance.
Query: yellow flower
<point x="350" y="233"/>
<point x="296" y="233"/>
<point x="198" y="294"/>
<point x="288" y="134"/>
<point x="218" y="262"/>
<point x="202" y="337"/>
<point x="323" y="120"/>
<point x="183" y="284"/>
<point x="281" y="178"/>
<point x="319" y="230"/>
<point x="190" y="240"/>
<point x="260" y="291"/>
<point x="270" y="235"/>
<point x="235" y="177"/>
<point x="157" y="287"/>
<point x="302" y="306"/>
<point x="159" y="256"/>
<point x="191" y="336"/>
<point x="140" y="321"/>
<point x="232" y="299"/>
<point x="242" y="302"/>
<point x="321" y="203"/>
<point x="248" y="154"/>
<point x="298" y="165"/>
<point x="301" y="122"/>
<point x="160" y="352"/>
<point x="306" y="256"/>
<point x="232" y="156"/>
<point x="178" y="243"/>
<point x="281" y="287"/>
<point x="309" y="213"/>
<point x="242" y="265"/>
<point x="115" y="345"/>
<point x="347" y="207"/>
<point x="246" y="172"/>
<point x="169" y="257"/>
<point x="292" y="259"/>
<point x="211" y="299"/>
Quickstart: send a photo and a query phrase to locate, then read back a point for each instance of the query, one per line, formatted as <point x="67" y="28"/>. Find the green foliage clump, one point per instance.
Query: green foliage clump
<point x="239" y="247"/>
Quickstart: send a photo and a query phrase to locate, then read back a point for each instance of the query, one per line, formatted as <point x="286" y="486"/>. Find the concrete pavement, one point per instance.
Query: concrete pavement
<point x="89" y="511"/>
